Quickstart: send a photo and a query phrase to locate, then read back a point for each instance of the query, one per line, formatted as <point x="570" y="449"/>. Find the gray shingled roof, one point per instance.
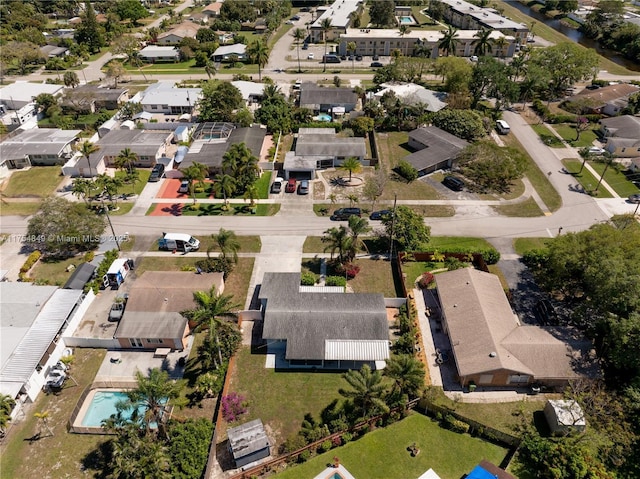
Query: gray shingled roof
<point x="625" y="126"/>
<point x="210" y="152"/>
<point x="307" y="320"/>
<point x="312" y="95"/>
<point x="440" y="146"/>
<point x="139" y="324"/>
<point x="314" y="144"/>
<point x="37" y="141"/>
<point x="141" y="142"/>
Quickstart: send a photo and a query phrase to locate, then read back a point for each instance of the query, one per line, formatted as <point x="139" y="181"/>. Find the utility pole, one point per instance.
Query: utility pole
<point x="393" y="226"/>
<point x="105" y="208"/>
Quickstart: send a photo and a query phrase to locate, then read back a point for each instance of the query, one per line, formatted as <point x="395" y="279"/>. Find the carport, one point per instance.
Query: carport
<point x="302" y="167"/>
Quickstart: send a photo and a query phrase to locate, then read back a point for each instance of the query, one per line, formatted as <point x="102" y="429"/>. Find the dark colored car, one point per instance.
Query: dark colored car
<point x="345" y="213"/>
<point x="376" y="65"/>
<point x="453" y="183"/>
<point x="305" y="46"/>
<point x="378" y="215"/>
<point x="343" y="57"/>
<point x="291" y="186"/>
<point x="157" y="172"/>
<point x="295" y="18"/>
<point x="351" y="58"/>
<point x="634" y="198"/>
<point x="359" y="58"/>
<point x="375" y="58"/>
<point x="546" y="313"/>
<point x="303" y="187"/>
<point x="592" y="87"/>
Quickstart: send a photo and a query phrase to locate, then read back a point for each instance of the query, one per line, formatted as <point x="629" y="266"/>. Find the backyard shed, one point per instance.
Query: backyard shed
<point x="564" y="416"/>
<point x="248" y="443"/>
<point x="80" y="276"/>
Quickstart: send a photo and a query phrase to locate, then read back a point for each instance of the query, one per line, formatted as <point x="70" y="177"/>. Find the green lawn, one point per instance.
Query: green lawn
<point x="547" y="136"/>
<point x="213" y="209"/>
<point x="442" y="243"/>
<point x="168" y="67"/>
<point x="55" y="272"/>
<point x="139" y="185"/>
<point x="19" y="208"/>
<point x="524" y="209"/>
<point x="383" y="454"/>
<point x="248" y="244"/>
<point x="281" y="398"/>
<point x="586" y="179"/>
<point x="522" y="245"/>
<point x="568" y="132"/>
<point x="615" y="179"/>
<point x="62" y="454"/>
<point x="38" y="181"/>
<point x="375" y="276"/>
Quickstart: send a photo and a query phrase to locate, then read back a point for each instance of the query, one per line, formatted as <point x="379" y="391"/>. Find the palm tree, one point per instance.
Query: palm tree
<point x="227" y="243"/>
<point x="608" y="158"/>
<point x="251" y="193"/>
<point x="110" y="186"/>
<point x="404" y="29"/>
<point x="353" y="199"/>
<point x="7" y="403"/>
<point x="258" y="52"/>
<point x="518" y="66"/>
<point x="351" y="50"/>
<point x="81" y="188"/>
<point x="407" y="374"/>
<point x="86" y="149"/>
<point x="358" y="227"/>
<point x="352" y="165"/>
<point x="43" y="421"/>
<point x="71" y="79"/>
<point x="153" y="393"/>
<point x="339" y="241"/>
<point x="213" y="312"/>
<point x="126" y="159"/>
<point x="210" y="69"/>
<point x="197" y="172"/>
<point x="586" y="156"/>
<point x="367" y="391"/>
<point x="132" y="177"/>
<point x="299" y="34"/>
<point x="482" y="42"/>
<point x="325" y="26"/>
<point x="500" y="44"/>
<point x="224" y="185"/>
<point x="449" y="41"/>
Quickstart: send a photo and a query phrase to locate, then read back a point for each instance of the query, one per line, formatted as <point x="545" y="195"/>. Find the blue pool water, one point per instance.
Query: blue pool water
<point x="102" y="406"/>
<point x="324" y="117"/>
<point x="406" y="20"/>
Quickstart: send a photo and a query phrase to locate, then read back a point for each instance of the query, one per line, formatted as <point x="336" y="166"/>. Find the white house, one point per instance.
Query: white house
<point x="153" y="53"/>
<point x="226" y="52"/>
<point x="21" y="93"/>
<point x="164" y="97"/>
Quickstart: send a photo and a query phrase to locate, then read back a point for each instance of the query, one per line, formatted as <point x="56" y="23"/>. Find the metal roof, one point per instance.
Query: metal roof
<point x="38" y="141"/>
<point x="138" y="324"/>
<point x="247" y="438"/>
<point x="80" y="277"/>
<point x="42" y="332"/>
<point x="352" y="350"/>
<point x="323" y="145"/>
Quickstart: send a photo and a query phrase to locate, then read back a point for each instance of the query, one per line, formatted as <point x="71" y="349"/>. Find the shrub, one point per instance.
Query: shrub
<point x="561" y="118"/>
<point x="535" y="257"/>
<point x="350" y="269"/>
<point x="31" y="260"/>
<point x="336" y="281"/>
<point x="347" y="437"/>
<point x="233" y="406"/>
<point x="336" y="441"/>
<point x="455" y="424"/>
<point x="426" y="279"/>
<point x="453" y="263"/>
<point x="293" y="443"/>
<point x="325" y="446"/>
<point x="490" y="255"/>
<point x="216" y="265"/>
<point x="89" y="255"/>
<point x="407" y="171"/>
<point x="308" y="278"/>
<point x="304" y="456"/>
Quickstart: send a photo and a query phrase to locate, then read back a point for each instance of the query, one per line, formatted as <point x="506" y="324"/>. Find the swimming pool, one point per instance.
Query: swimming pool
<point x="407" y="20"/>
<point x="103" y="405"/>
<point x="323" y="117"/>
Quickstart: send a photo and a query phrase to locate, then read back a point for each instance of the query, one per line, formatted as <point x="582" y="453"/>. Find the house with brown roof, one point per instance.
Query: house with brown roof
<point x="152" y="317"/>
<point x="178" y="33"/>
<point x="490" y="346"/>
<point x="609" y="100"/>
<point x="212" y="10"/>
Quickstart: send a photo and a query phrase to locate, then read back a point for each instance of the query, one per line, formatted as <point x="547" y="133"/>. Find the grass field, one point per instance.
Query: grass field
<point x="524" y="209"/>
<point x="383" y="454"/>
<point x="36" y="182"/>
<point x="55" y="272"/>
<point x="375" y="276"/>
<point x="547" y="136"/>
<point x="568" y="132"/>
<point x="615" y="179"/>
<point x="586" y="179"/>
<point x="522" y="245"/>
<point x="139" y="185"/>
<point x="281" y="398"/>
<point x="19" y="208"/>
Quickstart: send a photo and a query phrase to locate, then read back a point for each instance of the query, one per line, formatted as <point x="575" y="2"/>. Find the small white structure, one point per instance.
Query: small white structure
<point x="564" y="416"/>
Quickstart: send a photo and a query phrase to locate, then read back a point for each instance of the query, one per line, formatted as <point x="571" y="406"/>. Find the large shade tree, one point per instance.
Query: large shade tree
<point x="407" y="229"/>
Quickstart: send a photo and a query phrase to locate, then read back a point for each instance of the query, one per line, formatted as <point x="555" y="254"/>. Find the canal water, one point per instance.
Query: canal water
<point x="575" y="36"/>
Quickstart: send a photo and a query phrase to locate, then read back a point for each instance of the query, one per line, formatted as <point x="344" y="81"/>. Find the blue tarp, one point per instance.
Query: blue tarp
<point x="480" y="473"/>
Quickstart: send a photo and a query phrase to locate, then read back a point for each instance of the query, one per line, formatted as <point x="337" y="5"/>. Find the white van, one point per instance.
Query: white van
<point x="178" y="242"/>
<point x="502" y="127"/>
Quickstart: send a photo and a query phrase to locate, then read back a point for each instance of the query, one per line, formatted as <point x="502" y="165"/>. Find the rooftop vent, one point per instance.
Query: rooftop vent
<point x="492" y="354"/>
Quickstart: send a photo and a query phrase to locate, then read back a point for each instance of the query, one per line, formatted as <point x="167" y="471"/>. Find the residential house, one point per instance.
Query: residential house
<point x="53" y="51"/>
<point x="491" y="348"/>
<point x="19" y="94"/>
<point x="564" y="416"/>
<point x="467" y="16"/>
<point x="436" y="149"/>
<point x="226" y="53"/>
<point x="609" y="100"/>
<point x="38" y="147"/>
<point x="91" y="98"/>
<point x="248" y="443"/>
<point x="33" y="320"/>
<point x="327" y="99"/>
<point x="320" y="148"/>
<point x="15" y="119"/>
<point x="622" y="134"/>
<point x="323" y="327"/>
<point x="212" y="140"/>
<point x="212" y="10"/>
<point x="154" y="53"/>
<point x="178" y="33"/>
<point x="199" y="18"/>
<point x="412" y="94"/>
<point x="147" y="145"/>
<point x="152" y="318"/>
<point x="385" y="41"/>
<point x="340" y="13"/>
<point x="252" y="92"/>
<point x="164" y="97"/>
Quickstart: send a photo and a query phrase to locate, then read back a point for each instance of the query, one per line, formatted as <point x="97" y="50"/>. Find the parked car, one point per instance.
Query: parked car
<point x="305" y="46"/>
<point x="376" y="65"/>
<point x="473" y="58"/>
<point x="303" y="187"/>
<point x="351" y="58"/>
<point x="330" y="58"/>
<point x="343" y="57"/>
<point x="358" y="58"/>
<point x="378" y="215"/>
<point x="157" y="172"/>
<point x="595" y="150"/>
<point x="634" y="198"/>
<point x="345" y="213"/>
<point x="184" y="186"/>
<point x="502" y="127"/>
<point x="310" y="56"/>
<point x="546" y="313"/>
<point x="291" y="186"/>
<point x="276" y="187"/>
<point x="592" y="87"/>
<point x="118" y="307"/>
<point x="453" y="183"/>
<point x="295" y="18"/>
<point x="55" y="379"/>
